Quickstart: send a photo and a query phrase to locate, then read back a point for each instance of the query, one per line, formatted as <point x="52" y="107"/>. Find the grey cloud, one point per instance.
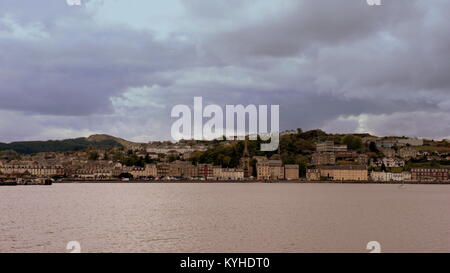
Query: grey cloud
<point x="314" y="24"/>
<point x="321" y="61"/>
<point x="79" y="67"/>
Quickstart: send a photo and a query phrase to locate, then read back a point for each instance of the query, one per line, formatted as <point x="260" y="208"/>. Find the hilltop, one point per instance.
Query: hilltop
<point x="100" y="138"/>
<point x="75" y="144"/>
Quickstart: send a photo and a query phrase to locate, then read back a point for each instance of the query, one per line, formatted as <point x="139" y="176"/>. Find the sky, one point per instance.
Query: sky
<point x="119" y="66"/>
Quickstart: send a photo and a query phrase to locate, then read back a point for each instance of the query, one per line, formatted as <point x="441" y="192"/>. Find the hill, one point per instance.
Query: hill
<point x="76" y="144"/>
<point x="105" y="138"/>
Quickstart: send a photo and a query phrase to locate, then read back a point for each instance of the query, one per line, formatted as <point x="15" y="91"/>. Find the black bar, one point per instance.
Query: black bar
<point x="224" y="262"/>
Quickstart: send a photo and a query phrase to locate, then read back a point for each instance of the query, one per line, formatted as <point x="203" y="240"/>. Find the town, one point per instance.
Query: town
<point x="312" y="156"/>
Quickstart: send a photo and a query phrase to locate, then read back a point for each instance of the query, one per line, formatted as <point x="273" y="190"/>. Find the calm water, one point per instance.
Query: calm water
<point x="225" y="218"/>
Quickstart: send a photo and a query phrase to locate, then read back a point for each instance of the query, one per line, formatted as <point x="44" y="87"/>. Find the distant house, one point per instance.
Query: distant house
<point x="362" y="159"/>
<point x="323" y="158"/>
<point x="329" y="146"/>
<point x="410" y="142"/>
<point x="388" y="152"/>
<point x="388" y="162"/>
<point x="407" y="153"/>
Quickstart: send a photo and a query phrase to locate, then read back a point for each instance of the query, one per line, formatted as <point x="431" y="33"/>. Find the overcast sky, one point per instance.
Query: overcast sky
<point x="119" y="66"/>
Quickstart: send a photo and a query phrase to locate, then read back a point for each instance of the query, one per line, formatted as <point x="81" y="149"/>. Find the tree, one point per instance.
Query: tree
<point x="226" y="161"/>
<point x="373" y="147"/>
<point x="302" y="169"/>
<point x="253" y="163"/>
<point x="118" y="157"/>
<point x="148" y="160"/>
<point x="353" y="142"/>
<point x="93" y="155"/>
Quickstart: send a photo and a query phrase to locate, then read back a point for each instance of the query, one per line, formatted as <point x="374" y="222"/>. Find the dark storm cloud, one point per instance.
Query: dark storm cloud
<point x="316" y="23"/>
<point x="79" y="67"/>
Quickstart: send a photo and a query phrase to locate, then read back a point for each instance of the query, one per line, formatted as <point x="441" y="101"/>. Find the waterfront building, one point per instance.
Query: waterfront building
<point x="291" y="172"/>
<point x="162" y="169"/>
<point x="389" y="176"/>
<point x="206" y="171"/>
<point x="33" y="170"/>
<point x="313" y="174"/>
<point x="345" y="172"/>
<point x="425" y="174"/>
<point x="228" y="173"/>
<point x="180" y="168"/>
<point x="217" y="172"/>
<point x="270" y="169"/>
<point x="149" y="170"/>
<point x="96" y="173"/>
<point x="233" y="174"/>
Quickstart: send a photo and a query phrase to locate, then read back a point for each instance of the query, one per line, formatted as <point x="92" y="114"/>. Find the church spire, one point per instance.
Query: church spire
<point x="245" y="160"/>
<point x="246" y="153"/>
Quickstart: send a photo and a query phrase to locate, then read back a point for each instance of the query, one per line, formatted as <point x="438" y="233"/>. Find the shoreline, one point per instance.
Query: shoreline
<point x="251" y="182"/>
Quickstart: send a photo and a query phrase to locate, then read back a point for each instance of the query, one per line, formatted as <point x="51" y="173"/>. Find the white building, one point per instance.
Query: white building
<point x="388" y="162"/>
<point x="410" y="141"/>
<point x="388" y="176"/>
<point x="228" y="173"/>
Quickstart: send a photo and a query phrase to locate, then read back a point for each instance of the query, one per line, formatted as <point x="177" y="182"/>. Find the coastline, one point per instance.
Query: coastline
<point x="251" y="182"/>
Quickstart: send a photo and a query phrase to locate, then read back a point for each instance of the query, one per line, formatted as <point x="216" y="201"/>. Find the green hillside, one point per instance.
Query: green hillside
<point x="76" y="144"/>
